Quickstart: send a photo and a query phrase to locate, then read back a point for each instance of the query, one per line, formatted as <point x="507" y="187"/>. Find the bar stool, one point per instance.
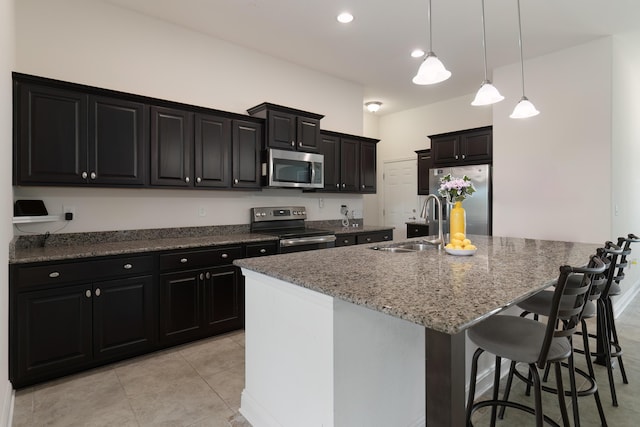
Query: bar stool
<point x="608" y="345"/>
<point x="523" y="340"/>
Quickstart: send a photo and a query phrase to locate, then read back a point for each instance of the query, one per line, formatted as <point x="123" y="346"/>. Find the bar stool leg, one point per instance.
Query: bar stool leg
<point x="592" y="374"/>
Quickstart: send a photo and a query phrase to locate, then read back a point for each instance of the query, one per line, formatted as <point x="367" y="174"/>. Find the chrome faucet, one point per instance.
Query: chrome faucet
<point x="424" y="214"/>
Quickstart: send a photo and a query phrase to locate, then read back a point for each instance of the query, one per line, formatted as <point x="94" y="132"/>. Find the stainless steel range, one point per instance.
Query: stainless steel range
<point x="288" y="223"/>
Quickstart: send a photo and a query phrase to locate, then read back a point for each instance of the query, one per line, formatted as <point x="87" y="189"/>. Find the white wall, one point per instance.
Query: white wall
<point x="7" y="63"/>
<point x="626" y="147"/>
<point x="552" y="172"/>
<point x="405" y="132"/>
<point x="100" y="44"/>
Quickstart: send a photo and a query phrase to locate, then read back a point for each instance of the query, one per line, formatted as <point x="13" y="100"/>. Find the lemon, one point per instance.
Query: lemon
<point x="449" y="246"/>
<point x="466" y="242"/>
<point x="470" y="247"/>
<point x="459" y="236"/>
<point x="455" y="242"/>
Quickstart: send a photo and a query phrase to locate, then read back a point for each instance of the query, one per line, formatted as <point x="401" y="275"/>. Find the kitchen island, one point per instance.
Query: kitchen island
<point x="354" y="336"/>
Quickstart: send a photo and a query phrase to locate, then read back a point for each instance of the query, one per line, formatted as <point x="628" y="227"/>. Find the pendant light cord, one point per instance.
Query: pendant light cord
<point x="484" y="44"/>
<point x="430" y="30"/>
<point x="520" y="42"/>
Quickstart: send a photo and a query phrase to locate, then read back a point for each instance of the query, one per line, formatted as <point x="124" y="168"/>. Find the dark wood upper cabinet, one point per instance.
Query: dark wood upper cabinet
<point x="68" y="137"/>
<point x="424" y="164"/>
<point x="289" y="128"/>
<point x="246" y="147"/>
<point x="349" y="163"/>
<point x="212" y="151"/>
<point x="118" y="141"/>
<point x="171" y="147"/>
<point x="468" y="147"/>
<point x="51" y="135"/>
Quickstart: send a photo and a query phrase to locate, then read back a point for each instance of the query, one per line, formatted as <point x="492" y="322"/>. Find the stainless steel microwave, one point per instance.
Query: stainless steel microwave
<point x="294" y="169"/>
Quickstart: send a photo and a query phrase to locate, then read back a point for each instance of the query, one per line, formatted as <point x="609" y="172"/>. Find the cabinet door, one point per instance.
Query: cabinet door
<point x="171" y="147"/>
<point x="282" y="130"/>
<point x="117" y="142"/>
<point x="308" y="133"/>
<point x="53" y="332"/>
<point x="180" y="313"/>
<point x="52" y="136"/>
<point x="330" y="148"/>
<point x="349" y="165"/>
<point x="124" y="317"/>
<point x="367" y="167"/>
<point x="222" y="300"/>
<point x="424" y="164"/>
<point x="417" y="230"/>
<point x="445" y="150"/>
<point x="476" y="146"/>
<point x="212" y="151"/>
<point x="247" y="141"/>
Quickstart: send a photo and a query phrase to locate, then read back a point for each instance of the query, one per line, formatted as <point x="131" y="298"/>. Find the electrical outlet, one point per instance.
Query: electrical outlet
<point x="343" y="209"/>
<point x="202" y="211"/>
<point x="321" y="203"/>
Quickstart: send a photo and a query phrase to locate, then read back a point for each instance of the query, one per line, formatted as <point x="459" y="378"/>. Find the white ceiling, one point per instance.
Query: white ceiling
<point x="374" y="50"/>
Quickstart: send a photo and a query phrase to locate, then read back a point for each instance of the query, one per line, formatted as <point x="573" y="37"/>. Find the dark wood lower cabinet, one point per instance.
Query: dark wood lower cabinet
<point x="199" y="303"/>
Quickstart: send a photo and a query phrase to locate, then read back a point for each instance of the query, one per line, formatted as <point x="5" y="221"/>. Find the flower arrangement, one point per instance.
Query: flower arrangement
<point x="456" y="189"/>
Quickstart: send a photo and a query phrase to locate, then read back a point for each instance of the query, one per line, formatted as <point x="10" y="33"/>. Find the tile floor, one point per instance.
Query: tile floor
<point x="199" y="384"/>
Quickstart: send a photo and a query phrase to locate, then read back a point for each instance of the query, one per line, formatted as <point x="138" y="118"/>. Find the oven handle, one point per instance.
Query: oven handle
<point x="307" y="240"/>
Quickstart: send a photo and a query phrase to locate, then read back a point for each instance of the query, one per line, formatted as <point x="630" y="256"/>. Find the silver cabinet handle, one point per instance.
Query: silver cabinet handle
<point x="84" y="175"/>
<point x="201" y="276"/>
<point x="386" y="237"/>
<point x="363" y="186"/>
<point x="464" y="156"/>
<point x="198" y="179"/>
<point x="368" y="239"/>
<point x="224" y="256"/>
<point x="456" y="157"/>
<point x="293" y="143"/>
<point x="344" y="185"/>
<point x="337" y="185"/>
<point x="183" y="260"/>
<point x="263" y="251"/>
<point x="187" y="179"/>
<point x="208" y="275"/>
<point x="127" y="266"/>
<point x="98" y="292"/>
<point x="54" y="274"/>
<point x="87" y="293"/>
<point x="345" y="241"/>
<point x="235" y="181"/>
<point x="93" y="175"/>
<point x="300" y="144"/>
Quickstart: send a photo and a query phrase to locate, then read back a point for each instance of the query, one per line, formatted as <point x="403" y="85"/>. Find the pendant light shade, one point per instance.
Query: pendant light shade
<point x="431" y="70"/>
<point x="524" y="108"/>
<point x="487" y="94"/>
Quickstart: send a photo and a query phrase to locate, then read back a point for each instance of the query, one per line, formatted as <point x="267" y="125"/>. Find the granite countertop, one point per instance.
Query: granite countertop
<point x="85" y="245"/>
<point x="431" y="288"/>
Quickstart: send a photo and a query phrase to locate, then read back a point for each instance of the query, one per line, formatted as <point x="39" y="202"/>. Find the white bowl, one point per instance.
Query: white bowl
<point x="460" y="252"/>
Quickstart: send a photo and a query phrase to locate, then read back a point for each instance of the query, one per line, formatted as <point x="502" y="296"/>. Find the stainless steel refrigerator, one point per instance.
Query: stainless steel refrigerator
<point x="477" y="207"/>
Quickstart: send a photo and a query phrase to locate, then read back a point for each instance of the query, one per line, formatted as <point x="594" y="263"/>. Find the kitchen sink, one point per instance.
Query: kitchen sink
<point x="405" y="247"/>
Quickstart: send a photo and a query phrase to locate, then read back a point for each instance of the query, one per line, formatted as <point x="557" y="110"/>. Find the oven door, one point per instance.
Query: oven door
<point x="310" y="243"/>
<point x="295" y="169"/>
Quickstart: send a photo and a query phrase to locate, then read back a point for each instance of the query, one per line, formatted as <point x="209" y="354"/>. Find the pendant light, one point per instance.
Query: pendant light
<point x="431" y="70"/>
<point x="487" y="94"/>
<point x="525" y="108"/>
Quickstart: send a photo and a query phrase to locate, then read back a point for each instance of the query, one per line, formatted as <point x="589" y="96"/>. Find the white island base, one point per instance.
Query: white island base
<point x="315" y="360"/>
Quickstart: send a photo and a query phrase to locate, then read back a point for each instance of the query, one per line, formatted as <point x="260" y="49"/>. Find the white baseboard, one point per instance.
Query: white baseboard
<point x="6" y="411"/>
<point x="621" y="302"/>
<point x="255" y="413"/>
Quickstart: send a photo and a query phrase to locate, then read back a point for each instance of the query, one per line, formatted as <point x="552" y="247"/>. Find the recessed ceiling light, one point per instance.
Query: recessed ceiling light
<point x="417" y="53"/>
<point x="345" y="17"/>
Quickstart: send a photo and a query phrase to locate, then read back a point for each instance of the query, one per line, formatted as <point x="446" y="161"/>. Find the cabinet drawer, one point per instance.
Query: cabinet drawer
<point x="28" y="276"/>
<point x="261" y="249"/>
<point x="203" y="258"/>
<point x="417" y="230"/>
<point x="381" y="236"/>
<point x="345" y="239"/>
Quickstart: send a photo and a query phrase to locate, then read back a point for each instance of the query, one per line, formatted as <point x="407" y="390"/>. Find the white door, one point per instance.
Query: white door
<point x="400" y="195"/>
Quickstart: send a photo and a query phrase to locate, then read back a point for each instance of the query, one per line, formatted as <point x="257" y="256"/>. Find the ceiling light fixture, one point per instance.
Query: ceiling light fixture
<point x="431" y="70"/>
<point x="345" y="17"/>
<point x="525" y="108"/>
<point x="487" y="94"/>
<point x="373" y="106"/>
<point x="417" y="53"/>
